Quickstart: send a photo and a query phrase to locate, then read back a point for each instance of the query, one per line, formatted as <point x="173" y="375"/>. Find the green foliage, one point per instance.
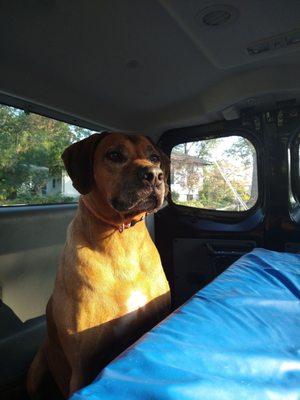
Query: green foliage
<point x="243" y="149"/>
<point x="190" y="203"/>
<point x="175" y="197"/>
<point x="215" y="193"/>
<point x="31" y="148"/>
<point x="201" y="148"/>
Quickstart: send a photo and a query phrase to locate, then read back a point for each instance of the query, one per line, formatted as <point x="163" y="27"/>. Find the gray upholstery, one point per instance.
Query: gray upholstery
<point x="31" y="239"/>
<point x="18" y="344"/>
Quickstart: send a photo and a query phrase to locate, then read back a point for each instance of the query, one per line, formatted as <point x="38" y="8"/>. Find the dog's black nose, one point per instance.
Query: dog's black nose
<point x="153" y="175"/>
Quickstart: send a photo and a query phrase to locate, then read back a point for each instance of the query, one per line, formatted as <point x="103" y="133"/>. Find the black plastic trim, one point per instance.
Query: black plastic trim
<point x="36" y="209"/>
<point x="294" y="175"/>
<point x="31" y="107"/>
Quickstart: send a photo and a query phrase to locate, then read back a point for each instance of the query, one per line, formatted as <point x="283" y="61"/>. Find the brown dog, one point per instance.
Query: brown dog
<point x="110" y="286"/>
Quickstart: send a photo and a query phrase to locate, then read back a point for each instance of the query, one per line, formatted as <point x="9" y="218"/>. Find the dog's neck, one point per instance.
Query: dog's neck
<point x="105" y="215"/>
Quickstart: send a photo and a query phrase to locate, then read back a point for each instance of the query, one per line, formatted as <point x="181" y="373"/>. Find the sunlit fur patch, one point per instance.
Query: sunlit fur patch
<point x="135" y="301"/>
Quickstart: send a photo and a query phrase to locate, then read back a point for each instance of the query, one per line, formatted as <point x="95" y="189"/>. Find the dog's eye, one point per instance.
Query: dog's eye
<point x="154" y="158"/>
<point x="115" y="156"/>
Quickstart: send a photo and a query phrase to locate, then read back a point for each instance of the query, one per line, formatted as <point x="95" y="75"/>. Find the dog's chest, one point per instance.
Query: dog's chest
<point x="138" y="284"/>
<point x="136" y="272"/>
<point x="122" y="283"/>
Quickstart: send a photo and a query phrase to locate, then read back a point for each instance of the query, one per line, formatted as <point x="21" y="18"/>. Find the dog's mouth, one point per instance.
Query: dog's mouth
<point x="146" y="202"/>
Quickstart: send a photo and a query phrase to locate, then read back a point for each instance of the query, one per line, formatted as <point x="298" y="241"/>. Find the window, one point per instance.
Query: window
<point x="294" y="155"/>
<point x="215" y="174"/>
<point x="31" y="170"/>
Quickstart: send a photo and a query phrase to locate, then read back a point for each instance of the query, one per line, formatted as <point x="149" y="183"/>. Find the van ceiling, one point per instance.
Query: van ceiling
<point x="145" y="65"/>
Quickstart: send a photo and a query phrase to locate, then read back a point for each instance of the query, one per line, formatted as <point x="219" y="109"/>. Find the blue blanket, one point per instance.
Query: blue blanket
<point x="238" y="338"/>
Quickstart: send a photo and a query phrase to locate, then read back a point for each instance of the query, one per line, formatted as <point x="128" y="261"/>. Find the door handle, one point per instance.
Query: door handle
<point x="234" y="251"/>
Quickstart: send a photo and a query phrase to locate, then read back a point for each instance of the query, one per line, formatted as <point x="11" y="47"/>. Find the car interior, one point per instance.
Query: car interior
<point x="216" y="86"/>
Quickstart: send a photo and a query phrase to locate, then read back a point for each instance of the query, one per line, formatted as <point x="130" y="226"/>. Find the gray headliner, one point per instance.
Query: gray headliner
<point x="76" y="58"/>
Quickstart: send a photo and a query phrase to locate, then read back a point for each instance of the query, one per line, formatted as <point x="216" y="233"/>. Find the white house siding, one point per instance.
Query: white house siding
<point x="61" y="185"/>
<point x="53" y="186"/>
<point x="67" y="188"/>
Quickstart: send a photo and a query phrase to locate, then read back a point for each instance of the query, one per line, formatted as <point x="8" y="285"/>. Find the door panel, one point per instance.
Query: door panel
<point x="203" y="259"/>
<point x="31" y="240"/>
<point x="197" y="244"/>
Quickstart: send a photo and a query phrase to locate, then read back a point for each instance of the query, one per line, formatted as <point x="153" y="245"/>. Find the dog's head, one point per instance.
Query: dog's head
<point x="127" y="172"/>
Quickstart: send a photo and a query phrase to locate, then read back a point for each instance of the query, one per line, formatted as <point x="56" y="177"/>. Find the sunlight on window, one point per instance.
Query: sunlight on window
<point x="217" y="174"/>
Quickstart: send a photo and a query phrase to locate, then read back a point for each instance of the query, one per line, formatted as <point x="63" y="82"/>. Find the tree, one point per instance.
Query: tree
<point x="243" y="149"/>
<point x="31" y="147"/>
<point x="200" y="149"/>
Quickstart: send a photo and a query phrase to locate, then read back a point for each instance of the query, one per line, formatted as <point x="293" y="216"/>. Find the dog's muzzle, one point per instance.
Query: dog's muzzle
<point x="144" y="193"/>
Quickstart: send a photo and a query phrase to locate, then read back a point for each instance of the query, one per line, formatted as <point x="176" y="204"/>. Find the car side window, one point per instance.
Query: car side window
<point x="215" y="174"/>
<point x="31" y="169"/>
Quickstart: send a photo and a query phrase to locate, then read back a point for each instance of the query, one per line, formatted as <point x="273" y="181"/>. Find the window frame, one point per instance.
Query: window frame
<point x="294" y="166"/>
<point x="293" y="158"/>
<point x="216" y="131"/>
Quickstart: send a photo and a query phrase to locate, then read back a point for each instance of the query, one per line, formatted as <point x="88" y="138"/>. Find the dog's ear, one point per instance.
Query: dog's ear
<point x="79" y="161"/>
<point x="165" y="164"/>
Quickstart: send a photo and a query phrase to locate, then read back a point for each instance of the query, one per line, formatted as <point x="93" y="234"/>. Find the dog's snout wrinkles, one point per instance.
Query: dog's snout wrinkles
<point x="153" y="175"/>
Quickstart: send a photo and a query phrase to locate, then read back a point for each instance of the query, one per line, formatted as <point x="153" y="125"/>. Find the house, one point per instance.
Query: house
<point x="61" y="185"/>
<point x="187" y="176"/>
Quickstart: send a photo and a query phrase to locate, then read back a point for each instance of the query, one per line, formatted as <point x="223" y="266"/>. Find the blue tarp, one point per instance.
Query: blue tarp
<point x="238" y="338"/>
